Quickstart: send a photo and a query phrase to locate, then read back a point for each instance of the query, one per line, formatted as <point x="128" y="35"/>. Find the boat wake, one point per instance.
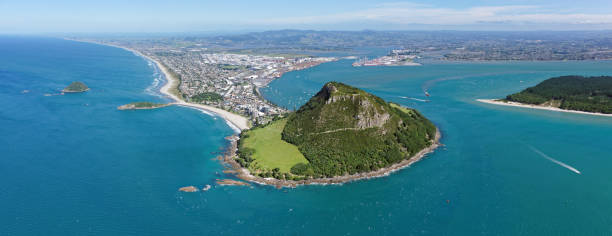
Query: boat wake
<point x="415" y="99"/>
<point x="554" y="160"/>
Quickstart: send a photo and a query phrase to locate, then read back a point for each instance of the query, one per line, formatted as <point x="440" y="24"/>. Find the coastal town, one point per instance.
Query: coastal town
<point x="231" y="81"/>
<point x="227" y="81"/>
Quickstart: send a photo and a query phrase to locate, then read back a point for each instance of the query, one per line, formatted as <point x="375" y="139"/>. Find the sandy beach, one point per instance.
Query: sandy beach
<point x="516" y="104"/>
<point x="238" y="121"/>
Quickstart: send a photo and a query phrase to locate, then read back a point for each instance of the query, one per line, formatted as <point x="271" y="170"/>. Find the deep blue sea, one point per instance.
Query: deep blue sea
<point x="74" y="165"/>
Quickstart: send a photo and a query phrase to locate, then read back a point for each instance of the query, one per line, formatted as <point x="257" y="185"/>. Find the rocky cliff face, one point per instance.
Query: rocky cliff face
<point x="368" y="115"/>
<point x="338" y="106"/>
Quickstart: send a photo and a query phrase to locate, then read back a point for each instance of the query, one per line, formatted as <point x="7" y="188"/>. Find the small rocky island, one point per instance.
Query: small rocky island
<point x="75" y="87"/>
<point x="341" y="134"/>
<point x="142" y="106"/>
<point x="572" y="93"/>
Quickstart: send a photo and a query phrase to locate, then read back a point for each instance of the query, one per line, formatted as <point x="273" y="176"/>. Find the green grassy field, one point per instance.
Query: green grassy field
<point x="270" y="150"/>
<point x="405" y="110"/>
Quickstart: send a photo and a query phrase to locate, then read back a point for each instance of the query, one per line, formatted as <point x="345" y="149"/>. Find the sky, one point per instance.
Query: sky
<point x="154" y="16"/>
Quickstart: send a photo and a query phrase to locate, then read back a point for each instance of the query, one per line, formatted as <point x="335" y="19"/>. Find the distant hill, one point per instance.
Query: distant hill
<point x="590" y="94"/>
<point x="345" y="130"/>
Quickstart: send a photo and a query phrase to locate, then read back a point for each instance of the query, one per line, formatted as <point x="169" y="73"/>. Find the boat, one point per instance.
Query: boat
<point x="206" y="188"/>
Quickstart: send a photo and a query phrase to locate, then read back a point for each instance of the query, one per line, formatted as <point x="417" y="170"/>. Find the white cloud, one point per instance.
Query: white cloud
<point x="412" y="13"/>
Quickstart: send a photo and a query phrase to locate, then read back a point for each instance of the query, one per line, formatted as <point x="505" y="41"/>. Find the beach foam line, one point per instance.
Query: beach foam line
<point x="554" y="160"/>
<point x="233" y="126"/>
<point x="230" y="118"/>
<point x="206" y="112"/>
<point x="213" y="114"/>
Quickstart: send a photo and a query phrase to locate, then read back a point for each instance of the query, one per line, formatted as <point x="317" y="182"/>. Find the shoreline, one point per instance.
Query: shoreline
<point x="239" y="123"/>
<point x="236" y="122"/>
<point x="244" y="174"/>
<point x="522" y="105"/>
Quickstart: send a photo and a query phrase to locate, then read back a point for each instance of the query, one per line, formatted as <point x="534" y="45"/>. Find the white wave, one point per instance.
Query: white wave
<point x="236" y="129"/>
<point x="554" y="160"/>
<point x="153" y="89"/>
<point x="206" y="112"/>
<point x="214" y="116"/>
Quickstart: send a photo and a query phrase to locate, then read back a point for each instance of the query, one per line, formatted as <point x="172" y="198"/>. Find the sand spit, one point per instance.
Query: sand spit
<point x="516" y="104"/>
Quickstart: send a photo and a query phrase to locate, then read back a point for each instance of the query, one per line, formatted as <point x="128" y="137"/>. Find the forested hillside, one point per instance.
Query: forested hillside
<point x="345" y="130"/>
<point x="591" y="94"/>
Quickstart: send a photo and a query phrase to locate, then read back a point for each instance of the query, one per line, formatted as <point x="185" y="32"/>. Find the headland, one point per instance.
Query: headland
<point x="571" y="93"/>
<point x="341" y="134"/>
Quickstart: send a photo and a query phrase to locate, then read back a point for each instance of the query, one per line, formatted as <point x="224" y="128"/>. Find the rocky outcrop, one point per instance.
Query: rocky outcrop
<point x="188" y="189"/>
<point x="231" y="182"/>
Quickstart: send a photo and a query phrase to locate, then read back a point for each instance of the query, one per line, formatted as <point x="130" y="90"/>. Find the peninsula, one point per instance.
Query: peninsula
<point x="75" y="87"/>
<point x="577" y="94"/>
<point x="398" y="57"/>
<point x="218" y="81"/>
<point x="341" y="134"/>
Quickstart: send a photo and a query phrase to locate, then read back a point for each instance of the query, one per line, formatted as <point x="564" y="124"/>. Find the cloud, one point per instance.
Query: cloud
<point x="413" y="13"/>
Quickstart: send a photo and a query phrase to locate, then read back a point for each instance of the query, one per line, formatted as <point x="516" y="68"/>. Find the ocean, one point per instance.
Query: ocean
<point x="74" y="165"/>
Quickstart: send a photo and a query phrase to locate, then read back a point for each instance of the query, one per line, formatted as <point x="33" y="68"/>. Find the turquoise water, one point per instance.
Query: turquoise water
<point x="74" y="165"/>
